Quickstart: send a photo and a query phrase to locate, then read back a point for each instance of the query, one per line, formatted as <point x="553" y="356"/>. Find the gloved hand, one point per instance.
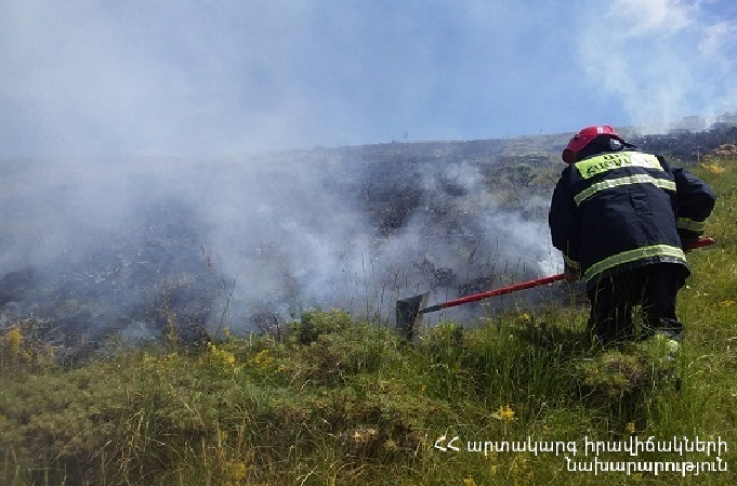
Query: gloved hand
<point x="688" y="244"/>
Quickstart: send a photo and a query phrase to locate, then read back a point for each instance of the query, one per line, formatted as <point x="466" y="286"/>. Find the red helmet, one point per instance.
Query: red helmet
<point x="583" y="138"/>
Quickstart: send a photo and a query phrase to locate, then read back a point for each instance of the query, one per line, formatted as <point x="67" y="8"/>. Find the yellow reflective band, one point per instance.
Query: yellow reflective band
<point x="691" y="225"/>
<point x="596" y="165"/>
<point x="623" y="181"/>
<point x="571" y="263"/>
<point x="634" y="255"/>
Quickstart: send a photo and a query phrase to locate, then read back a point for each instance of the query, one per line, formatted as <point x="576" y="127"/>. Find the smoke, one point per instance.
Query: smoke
<point x="340" y="229"/>
<point x="185" y="78"/>
<point x="663" y="59"/>
<point x="145" y="163"/>
<point x="250" y="243"/>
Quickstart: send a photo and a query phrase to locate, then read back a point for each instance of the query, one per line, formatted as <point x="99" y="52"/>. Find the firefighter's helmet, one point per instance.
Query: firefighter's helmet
<point x="585" y="137"/>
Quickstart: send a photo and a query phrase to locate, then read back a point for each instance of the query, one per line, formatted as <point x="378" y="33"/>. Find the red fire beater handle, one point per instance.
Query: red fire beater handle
<point x="523" y="286"/>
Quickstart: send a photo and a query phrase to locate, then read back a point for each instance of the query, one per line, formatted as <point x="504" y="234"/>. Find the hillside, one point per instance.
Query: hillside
<point x="335" y="398"/>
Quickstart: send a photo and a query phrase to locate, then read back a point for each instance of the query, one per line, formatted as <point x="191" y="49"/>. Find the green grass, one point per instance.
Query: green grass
<point x="344" y="402"/>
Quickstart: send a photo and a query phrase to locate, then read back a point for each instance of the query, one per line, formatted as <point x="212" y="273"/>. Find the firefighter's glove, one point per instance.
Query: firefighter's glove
<point x="688" y="244"/>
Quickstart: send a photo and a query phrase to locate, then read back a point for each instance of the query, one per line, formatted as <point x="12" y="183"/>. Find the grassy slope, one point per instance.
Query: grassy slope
<point x="342" y="402"/>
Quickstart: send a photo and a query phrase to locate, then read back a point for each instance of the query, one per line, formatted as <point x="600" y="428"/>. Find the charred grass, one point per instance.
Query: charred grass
<point x="334" y="400"/>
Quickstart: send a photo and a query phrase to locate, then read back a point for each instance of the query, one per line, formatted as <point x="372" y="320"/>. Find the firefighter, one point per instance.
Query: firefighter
<point x="624" y="220"/>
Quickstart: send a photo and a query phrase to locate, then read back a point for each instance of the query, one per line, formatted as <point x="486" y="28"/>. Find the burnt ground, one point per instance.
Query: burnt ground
<point x="156" y="272"/>
<point x="135" y="288"/>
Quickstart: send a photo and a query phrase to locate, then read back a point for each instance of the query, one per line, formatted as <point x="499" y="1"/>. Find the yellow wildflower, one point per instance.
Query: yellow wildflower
<point x="714" y="168"/>
<point x="262" y="359"/>
<point x="223" y="356"/>
<point x="14" y="340"/>
<point x="505" y="414"/>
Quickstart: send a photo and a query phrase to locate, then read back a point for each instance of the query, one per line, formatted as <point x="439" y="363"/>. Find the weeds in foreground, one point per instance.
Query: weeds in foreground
<point x="340" y="402"/>
<point x="336" y="401"/>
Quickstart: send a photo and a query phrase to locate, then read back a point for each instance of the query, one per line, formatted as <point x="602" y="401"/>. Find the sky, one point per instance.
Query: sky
<point x="86" y="84"/>
<point x="229" y="78"/>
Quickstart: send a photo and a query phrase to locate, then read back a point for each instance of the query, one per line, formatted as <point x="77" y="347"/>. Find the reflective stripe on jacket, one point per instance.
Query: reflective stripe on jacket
<point x="620" y="210"/>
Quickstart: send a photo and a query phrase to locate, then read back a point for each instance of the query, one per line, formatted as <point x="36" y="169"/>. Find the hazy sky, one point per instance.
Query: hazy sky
<point x="213" y="78"/>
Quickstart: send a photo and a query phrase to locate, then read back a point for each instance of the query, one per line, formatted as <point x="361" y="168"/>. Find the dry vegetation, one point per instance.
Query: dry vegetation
<point x="334" y="400"/>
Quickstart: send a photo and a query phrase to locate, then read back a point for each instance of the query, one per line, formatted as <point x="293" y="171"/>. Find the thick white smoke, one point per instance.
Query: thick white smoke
<point x="241" y="243"/>
<point x="223" y="240"/>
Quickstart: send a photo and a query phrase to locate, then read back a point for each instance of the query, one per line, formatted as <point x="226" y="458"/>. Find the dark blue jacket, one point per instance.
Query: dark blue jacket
<point x="619" y="210"/>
